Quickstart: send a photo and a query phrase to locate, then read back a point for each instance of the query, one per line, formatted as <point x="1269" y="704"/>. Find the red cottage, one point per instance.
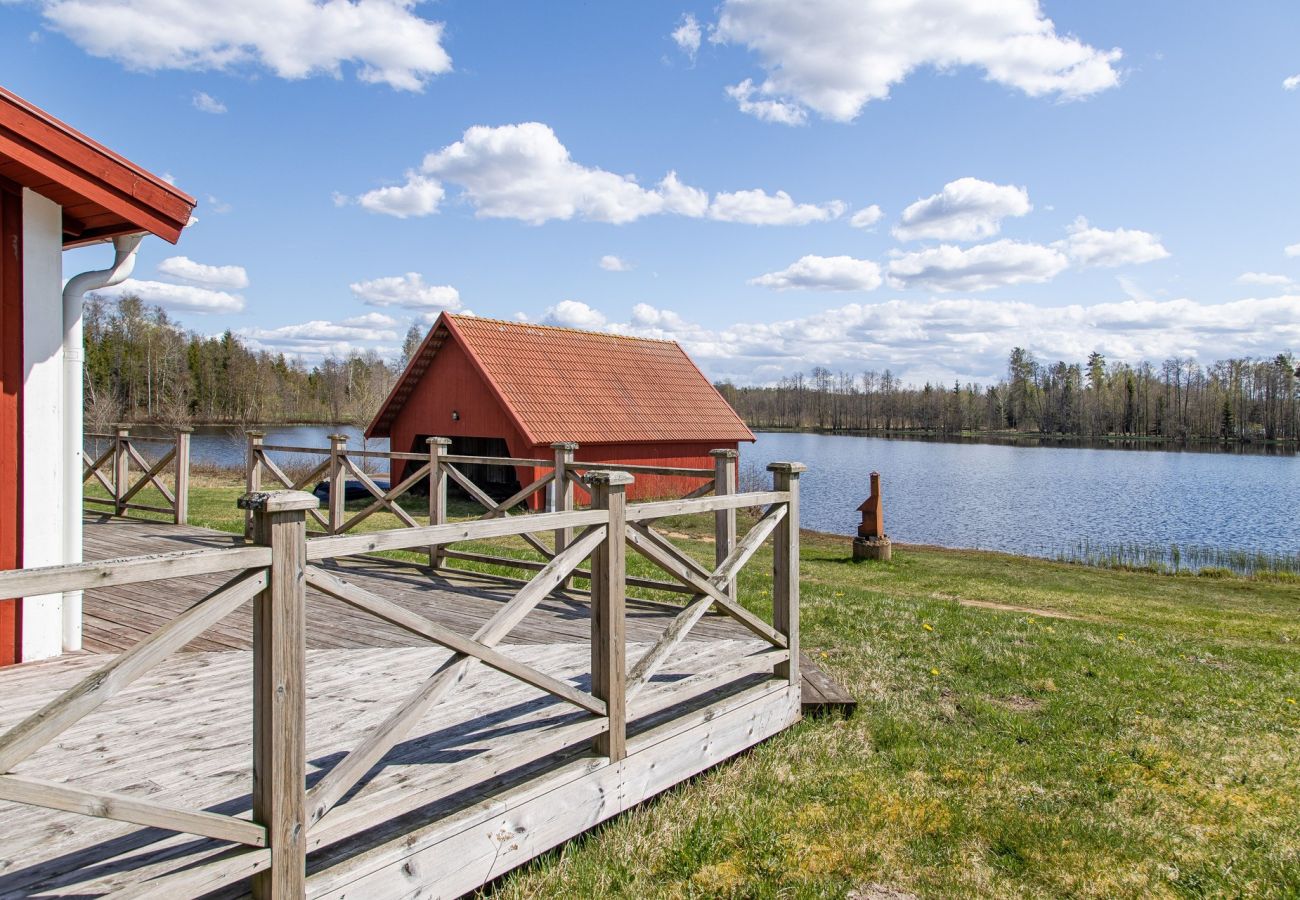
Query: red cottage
<point x="512" y="389"/>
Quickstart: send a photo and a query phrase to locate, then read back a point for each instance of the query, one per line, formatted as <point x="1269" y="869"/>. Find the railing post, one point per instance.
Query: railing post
<point x="121" y="468"/>
<point x="563" y="492"/>
<point x="724" y="520"/>
<point x="437" y="493"/>
<point x="280" y="690"/>
<point x="608" y="620"/>
<point x="338" y="481"/>
<point x="182" y="511"/>
<point x="252" y="474"/>
<point x="785" y="566"/>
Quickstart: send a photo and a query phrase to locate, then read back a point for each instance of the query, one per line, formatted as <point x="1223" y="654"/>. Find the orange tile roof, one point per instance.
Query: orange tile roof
<point x="561" y="384"/>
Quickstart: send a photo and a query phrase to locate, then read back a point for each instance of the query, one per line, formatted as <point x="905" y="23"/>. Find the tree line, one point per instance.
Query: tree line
<point x="1239" y="400"/>
<point x="142" y="366"/>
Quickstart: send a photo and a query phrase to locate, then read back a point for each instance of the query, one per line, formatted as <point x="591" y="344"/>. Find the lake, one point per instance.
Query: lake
<point x="1022" y="499"/>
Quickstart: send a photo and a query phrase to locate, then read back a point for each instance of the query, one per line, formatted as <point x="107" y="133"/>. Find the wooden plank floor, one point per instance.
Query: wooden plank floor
<point x="182" y="735"/>
<point x="116" y="618"/>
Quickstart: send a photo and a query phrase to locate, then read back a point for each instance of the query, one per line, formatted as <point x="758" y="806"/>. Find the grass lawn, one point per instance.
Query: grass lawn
<point x="1025" y="728"/>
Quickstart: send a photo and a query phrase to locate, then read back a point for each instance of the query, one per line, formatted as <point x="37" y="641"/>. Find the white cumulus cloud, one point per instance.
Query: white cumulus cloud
<point x="611" y="263"/>
<point x="979" y="268"/>
<point x="764" y="107"/>
<point x="207" y="103"/>
<point x="824" y="273"/>
<point x="186" y="269"/>
<point x="757" y="207"/>
<point x="1292" y="250"/>
<point x="524" y="172"/>
<point x="967" y="209"/>
<point x="419" y="196"/>
<point x="968" y="339"/>
<point x="1088" y="246"/>
<point x="407" y="291"/>
<point x="835" y="56"/>
<point x="867" y="216"/>
<point x="184" y="297"/>
<point x="687" y="35"/>
<point x="574" y="314"/>
<point x="321" y="331"/>
<point x="384" y="40"/>
<point x="1291" y="83"/>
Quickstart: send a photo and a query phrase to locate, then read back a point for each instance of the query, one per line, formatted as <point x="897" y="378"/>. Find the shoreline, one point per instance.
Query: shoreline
<point x="1098" y="442"/>
<point x="1112" y="442"/>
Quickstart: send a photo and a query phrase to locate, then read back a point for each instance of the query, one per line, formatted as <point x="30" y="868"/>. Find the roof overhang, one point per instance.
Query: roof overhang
<point x="102" y="194"/>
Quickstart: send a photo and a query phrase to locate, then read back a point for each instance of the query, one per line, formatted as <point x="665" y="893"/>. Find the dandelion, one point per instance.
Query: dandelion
<point x="1291" y="700"/>
<point x="934" y="671"/>
<point x="927" y="626"/>
<point x="1120" y="636"/>
<point x="839" y="593"/>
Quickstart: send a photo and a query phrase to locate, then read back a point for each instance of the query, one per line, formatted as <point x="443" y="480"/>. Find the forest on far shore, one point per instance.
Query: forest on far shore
<point x="143" y="366"/>
<point x="1177" y="400"/>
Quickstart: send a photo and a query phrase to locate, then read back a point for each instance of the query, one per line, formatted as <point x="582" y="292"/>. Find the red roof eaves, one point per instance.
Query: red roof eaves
<point x="54" y="150"/>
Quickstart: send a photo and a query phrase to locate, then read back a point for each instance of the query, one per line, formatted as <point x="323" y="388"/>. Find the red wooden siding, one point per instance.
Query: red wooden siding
<point x="452" y="383"/>
<point x="11" y="380"/>
<point x="685" y="454"/>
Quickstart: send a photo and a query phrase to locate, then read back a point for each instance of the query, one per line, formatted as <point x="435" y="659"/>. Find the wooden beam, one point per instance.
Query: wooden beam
<point x="687" y="576"/>
<point x="129" y="570"/>
<point x="341" y="779"/>
<point x="384" y="499"/>
<point x="45" y="724"/>
<point x="291" y="485"/>
<point x="452" y="532"/>
<point x="487" y="503"/>
<point x="280" y="691"/>
<point x="150" y="475"/>
<point x="642" y="512"/>
<point x="518" y="497"/>
<point x="785" y="567"/>
<point x="125" y="808"/>
<point x="609" y="612"/>
<point x="437" y="493"/>
<point x="726" y="573"/>
<point x="388" y="611"/>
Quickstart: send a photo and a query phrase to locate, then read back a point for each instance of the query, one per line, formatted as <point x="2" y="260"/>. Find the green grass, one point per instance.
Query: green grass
<point x="1026" y="728"/>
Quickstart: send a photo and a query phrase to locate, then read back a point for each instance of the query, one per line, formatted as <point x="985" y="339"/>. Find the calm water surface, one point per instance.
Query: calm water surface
<point x="1037" y="500"/>
<point x="1033" y="500"/>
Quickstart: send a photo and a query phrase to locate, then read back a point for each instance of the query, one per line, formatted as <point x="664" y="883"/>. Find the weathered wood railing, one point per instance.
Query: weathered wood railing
<point x="440" y="468"/>
<point x="117" y="459"/>
<point x="288" y="818"/>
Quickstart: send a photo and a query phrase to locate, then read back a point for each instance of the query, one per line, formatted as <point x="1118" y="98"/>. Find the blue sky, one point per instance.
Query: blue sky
<point x="1068" y="177"/>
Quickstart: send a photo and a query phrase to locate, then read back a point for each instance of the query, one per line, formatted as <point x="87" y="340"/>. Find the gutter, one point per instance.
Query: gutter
<point x="74" y="359"/>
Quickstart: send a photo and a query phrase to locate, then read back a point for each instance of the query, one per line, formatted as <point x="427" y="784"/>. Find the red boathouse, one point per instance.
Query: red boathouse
<point x="500" y="388"/>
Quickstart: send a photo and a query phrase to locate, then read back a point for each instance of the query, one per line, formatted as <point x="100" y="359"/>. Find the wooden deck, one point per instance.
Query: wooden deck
<point x="481" y="784"/>
<point x="116" y="618"/>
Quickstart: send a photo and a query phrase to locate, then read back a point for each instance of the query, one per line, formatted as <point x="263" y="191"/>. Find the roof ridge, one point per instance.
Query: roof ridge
<point x="462" y="317"/>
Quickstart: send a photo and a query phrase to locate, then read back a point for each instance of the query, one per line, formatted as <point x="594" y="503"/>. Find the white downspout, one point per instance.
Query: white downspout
<point x="73" y="373"/>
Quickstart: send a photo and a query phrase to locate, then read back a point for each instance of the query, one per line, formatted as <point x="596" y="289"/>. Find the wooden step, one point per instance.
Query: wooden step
<point x="821" y="693"/>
